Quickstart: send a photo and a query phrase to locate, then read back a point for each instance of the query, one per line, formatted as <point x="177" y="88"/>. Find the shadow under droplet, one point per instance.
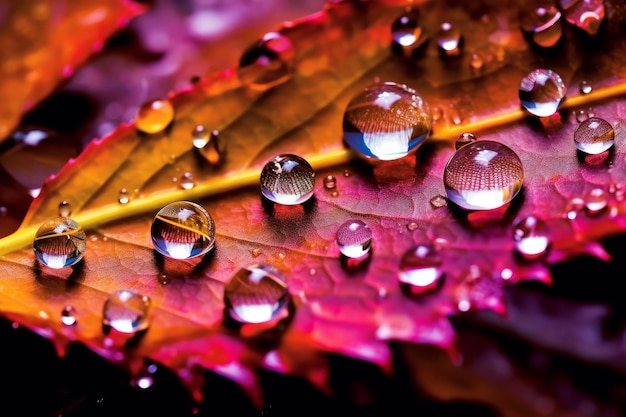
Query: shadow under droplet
<point x="181" y="268"/>
<point x="356" y="265"/>
<point x="604" y="159"/>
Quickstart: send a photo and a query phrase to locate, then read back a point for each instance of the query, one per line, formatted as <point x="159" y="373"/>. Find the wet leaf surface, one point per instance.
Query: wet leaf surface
<point x="337" y="306"/>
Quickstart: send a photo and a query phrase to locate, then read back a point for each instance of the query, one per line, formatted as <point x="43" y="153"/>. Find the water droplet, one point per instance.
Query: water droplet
<point x="587" y="15"/>
<point x="330" y="182"/>
<point x="450" y="40"/>
<point x="596" y="201"/>
<point x="255" y="252"/>
<point x="334" y="194"/>
<point x="531" y="237"/>
<point x="154" y="116"/>
<point x="574" y="205"/>
<point x="581" y="115"/>
<point x="123" y="197"/>
<point x="65" y="209"/>
<point x="346" y="173"/>
<point x="256" y="294"/>
<point x="594" y="136"/>
<point x="267" y="62"/>
<point x="412" y="226"/>
<point x="420" y="269"/>
<point x="60" y="242"/>
<point x="144" y="381"/>
<point x="477" y="62"/>
<point x="438" y="201"/>
<point x="541" y="92"/>
<point x="183" y="230"/>
<point x="585" y="87"/>
<point x="354" y="238"/>
<point x="186" y="181"/>
<point x="126" y="312"/>
<point x="386" y="121"/>
<point x="407" y="32"/>
<point x="483" y="175"/>
<point x="287" y="179"/>
<point x="207" y="143"/>
<point x="464" y="139"/>
<point x="542" y="24"/>
<point x="68" y="315"/>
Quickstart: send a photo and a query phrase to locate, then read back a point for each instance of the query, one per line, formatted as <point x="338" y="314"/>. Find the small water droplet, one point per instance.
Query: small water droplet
<point x="581" y="115"/>
<point x="334" y="194"/>
<point x="585" y="87"/>
<point x="412" y="226"/>
<point x="256" y="294"/>
<point x="437" y="113"/>
<point x="68" y="315"/>
<point x="542" y="24"/>
<point x="60" y="242"/>
<point x="268" y="62"/>
<point x="450" y="40"/>
<point x="483" y="175"/>
<point x="287" y="179"/>
<point x="144" y="381"/>
<point x="438" y="201"/>
<point x="354" y="238"/>
<point x="154" y="116"/>
<point x="207" y="144"/>
<point x="464" y="139"/>
<point x="596" y="201"/>
<point x="586" y="15"/>
<point x="65" y="209"/>
<point x="574" y="205"/>
<point x="531" y="237"/>
<point x="163" y="278"/>
<point x="541" y="92"/>
<point x="330" y="182"/>
<point x="386" y="121"/>
<point x="312" y="271"/>
<point x="186" y="181"/>
<point x="123" y="196"/>
<point x="126" y="312"/>
<point x="406" y="31"/>
<point x="594" y="136"/>
<point x="255" y="252"/>
<point x="420" y="269"/>
<point x="183" y="230"/>
<point x="477" y="62"/>
<point x="346" y="173"/>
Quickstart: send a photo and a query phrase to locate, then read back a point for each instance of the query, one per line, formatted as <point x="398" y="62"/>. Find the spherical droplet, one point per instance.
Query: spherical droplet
<point x="68" y="315"/>
<point x="542" y="24"/>
<point x="585" y="87"/>
<point x="126" y="312"/>
<point x="183" y="230"/>
<point x="256" y="294"/>
<point x="60" y="242"/>
<point x="596" y="200"/>
<point x="531" y="237"/>
<point x="155" y="115"/>
<point x="420" y="269"/>
<point x="464" y="139"/>
<point x="541" y="92"/>
<point x="123" y="196"/>
<point x="438" y="201"/>
<point x="267" y="62"/>
<point x="450" y="40"/>
<point x="65" y="209"/>
<point x="186" y="181"/>
<point x="594" y="136"/>
<point x="587" y="15"/>
<point x="354" y="238"/>
<point x="330" y="182"/>
<point x="483" y="175"/>
<point x="476" y="63"/>
<point x="386" y="121"/>
<point x="287" y="179"/>
<point x="207" y="143"/>
<point x="412" y="226"/>
<point x="406" y="30"/>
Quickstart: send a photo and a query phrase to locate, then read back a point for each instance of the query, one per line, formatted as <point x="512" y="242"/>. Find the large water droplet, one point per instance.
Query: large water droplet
<point x="256" y="294"/>
<point x="267" y="62"/>
<point x="60" y="242"/>
<point x="531" y="237"/>
<point x="126" y="312"/>
<point x="541" y="92"/>
<point x="420" y="269"/>
<point x="450" y="40"/>
<point x="483" y="175"/>
<point x="154" y="116"/>
<point x="594" y="136"/>
<point x="287" y="179"/>
<point x="183" y="230"/>
<point x="386" y="121"/>
<point x="354" y="238"/>
<point x="68" y="315"/>
<point x="542" y="25"/>
<point x="207" y="143"/>
<point x="587" y="15"/>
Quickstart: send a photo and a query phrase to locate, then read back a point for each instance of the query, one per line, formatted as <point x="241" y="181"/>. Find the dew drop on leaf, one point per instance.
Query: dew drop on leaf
<point x="123" y="196"/>
<point x="354" y="238"/>
<point x="207" y="144"/>
<point x="476" y="62"/>
<point x="186" y="181"/>
<point x="60" y="242"/>
<point x="68" y="315"/>
<point x="531" y="236"/>
<point x="449" y="40"/>
<point x="330" y="182"/>
<point x="154" y="116"/>
<point x="386" y="121"/>
<point x="420" y="269"/>
<point x="585" y="87"/>
<point x="406" y="31"/>
<point x="65" y="209"/>
<point x="596" y="201"/>
<point x="438" y="201"/>
<point x="541" y="92"/>
<point x="483" y="175"/>
<point x="464" y="139"/>
<point x="287" y="179"/>
<point x="256" y="294"/>
<point x="586" y="15"/>
<point x="541" y="24"/>
<point x="268" y="62"/>
<point x="412" y="226"/>
<point x="126" y="312"/>
<point x="183" y="230"/>
<point x="594" y="135"/>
